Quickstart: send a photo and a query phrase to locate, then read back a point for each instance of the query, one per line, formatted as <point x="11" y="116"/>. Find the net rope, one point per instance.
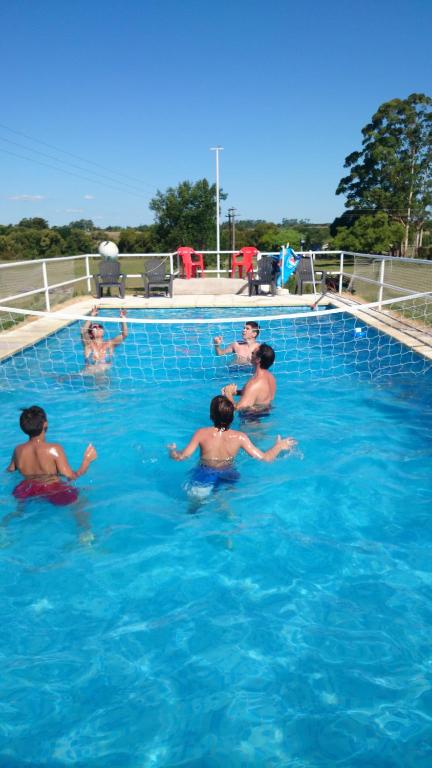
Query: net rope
<point x="313" y="345"/>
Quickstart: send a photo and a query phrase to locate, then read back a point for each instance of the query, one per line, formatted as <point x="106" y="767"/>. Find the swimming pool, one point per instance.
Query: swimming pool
<point x="285" y="624"/>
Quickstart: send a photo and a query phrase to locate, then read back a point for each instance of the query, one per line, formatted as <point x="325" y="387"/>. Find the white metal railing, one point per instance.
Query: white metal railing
<point x="46" y="286"/>
<point x="363" y="266"/>
<point x="401" y="275"/>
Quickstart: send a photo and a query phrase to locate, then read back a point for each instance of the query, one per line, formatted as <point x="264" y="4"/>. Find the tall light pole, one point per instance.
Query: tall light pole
<point x="231" y="224"/>
<point x="217" y="150"/>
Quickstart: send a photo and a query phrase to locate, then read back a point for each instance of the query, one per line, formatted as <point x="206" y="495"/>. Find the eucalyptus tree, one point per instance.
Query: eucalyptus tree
<point x="393" y="171"/>
<point x="185" y="215"/>
<point x="34" y="223"/>
<point x="369" y="234"/>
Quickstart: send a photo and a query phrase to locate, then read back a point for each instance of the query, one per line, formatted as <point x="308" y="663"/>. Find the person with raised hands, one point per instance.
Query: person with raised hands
<point x="219" y="445"/>
<point x="99" y="352"/>
<point x="241" y="349"/>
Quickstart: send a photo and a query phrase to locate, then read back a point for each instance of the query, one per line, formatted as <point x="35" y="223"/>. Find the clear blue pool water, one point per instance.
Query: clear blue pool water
<point x="286" y="623"/>
<point x="191" y="313"/>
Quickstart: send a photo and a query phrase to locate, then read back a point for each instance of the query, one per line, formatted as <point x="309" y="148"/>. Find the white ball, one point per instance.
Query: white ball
<point x="108" y="249"/>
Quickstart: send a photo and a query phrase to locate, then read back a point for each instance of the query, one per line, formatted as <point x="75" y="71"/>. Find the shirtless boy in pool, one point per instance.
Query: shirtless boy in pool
<point x="242" y="349"/>
<point x="97" y="352"/>
<point x="219" y="445"/>
<point x="42" y="463"/>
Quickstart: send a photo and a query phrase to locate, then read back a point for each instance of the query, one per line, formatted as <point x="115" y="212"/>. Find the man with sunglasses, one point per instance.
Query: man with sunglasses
<point x="97" y="352"/>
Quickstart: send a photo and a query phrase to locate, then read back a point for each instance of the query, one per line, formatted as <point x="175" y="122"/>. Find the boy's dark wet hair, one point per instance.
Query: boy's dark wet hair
<point x="254" y="326"/>
<point x="265" y="354"/>
<point x="32" y="420"/>
<point x="221" y="412"/>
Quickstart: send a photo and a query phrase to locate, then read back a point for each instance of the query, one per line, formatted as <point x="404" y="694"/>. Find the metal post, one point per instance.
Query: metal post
<point x="217" y="150"/>
<point x="381" y="281"/>
<point x="88" y="276"/>
<point x="46" y="287"/>
<point x="230" y="231"/>
<point x="231" y="225"/>
<point x="341" y="267"/>
<point x="233" y="229"/>
<point x="312" y="258"/>
<point x="171" y="263"/>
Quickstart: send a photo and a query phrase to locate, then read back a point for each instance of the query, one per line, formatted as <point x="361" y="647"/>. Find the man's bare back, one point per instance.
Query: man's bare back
<point x="46" y="461"/>
<point x="42" y="463"/>
<point x="42" y="460"/>
<point x="259" y="392"/>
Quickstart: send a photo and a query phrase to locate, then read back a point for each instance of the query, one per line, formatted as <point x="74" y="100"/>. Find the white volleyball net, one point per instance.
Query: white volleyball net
<point x="365" y="341"/>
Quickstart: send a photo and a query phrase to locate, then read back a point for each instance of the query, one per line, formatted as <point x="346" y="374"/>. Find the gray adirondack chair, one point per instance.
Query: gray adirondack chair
<point x="109" y="275"/>
<point x="265" y="276"/>
<point x="157" y="276"/>
<point x="305" y="275"/>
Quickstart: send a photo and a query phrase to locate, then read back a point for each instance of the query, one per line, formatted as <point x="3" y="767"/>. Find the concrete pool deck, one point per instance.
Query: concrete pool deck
<point x="413" y="334"/>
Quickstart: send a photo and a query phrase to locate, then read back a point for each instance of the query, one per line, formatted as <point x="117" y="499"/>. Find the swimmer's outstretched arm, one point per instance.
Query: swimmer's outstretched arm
<point x="281" y="444"/>
<point x="217" y="341"/>
<point x="124" y="330"/>
<point x="86" y="326"/>
<point x="62" y="464"/>
<point x="186" y="452"/>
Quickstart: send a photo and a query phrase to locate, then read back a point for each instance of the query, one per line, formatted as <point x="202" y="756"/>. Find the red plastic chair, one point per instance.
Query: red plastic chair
<point x="190" y="265"/>
<point x="244" y="258"/>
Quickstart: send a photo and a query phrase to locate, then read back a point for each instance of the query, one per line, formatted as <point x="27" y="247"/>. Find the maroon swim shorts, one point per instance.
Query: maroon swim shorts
<point x="58" y="493"/>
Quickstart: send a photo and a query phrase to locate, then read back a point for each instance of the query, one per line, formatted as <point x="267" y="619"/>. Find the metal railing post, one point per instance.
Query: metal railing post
<point x="341" y="266"/>
<point x="88" y="275"/>
<point x="381" y="281"/>
<point x="313" y="264"/>
<point x="46" y="286"/>
<point x="171" y="264"/>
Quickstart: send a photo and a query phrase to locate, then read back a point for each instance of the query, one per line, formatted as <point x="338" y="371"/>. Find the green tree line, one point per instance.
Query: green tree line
<point x="34" y="239"/>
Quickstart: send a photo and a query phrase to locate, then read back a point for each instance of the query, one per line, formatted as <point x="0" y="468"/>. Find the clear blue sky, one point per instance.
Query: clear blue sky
<point x="144" y="88"/>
